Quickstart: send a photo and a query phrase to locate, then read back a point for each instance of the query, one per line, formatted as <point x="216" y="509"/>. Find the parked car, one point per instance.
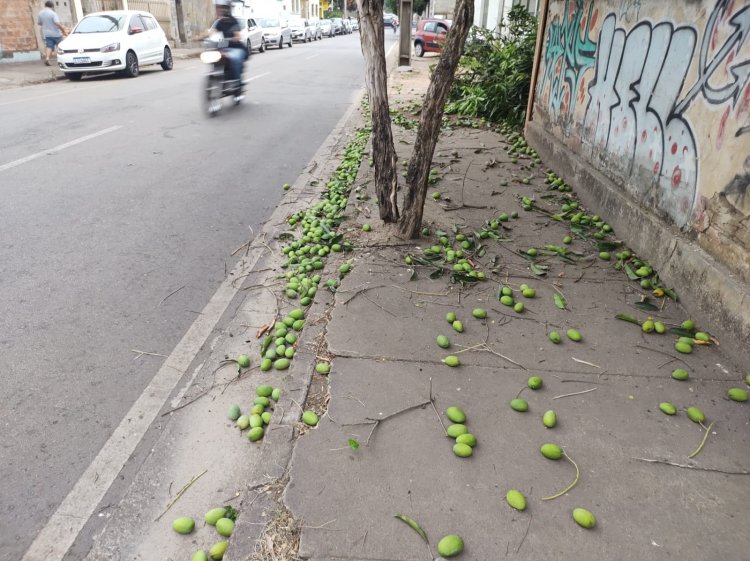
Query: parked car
<point x="355" y="24"/>
<point x="347" y="23"/>
<point x="116" y="41"/>
<point x="315" y="30"/>
<point x="252" y="35"/>
<point x="300" y="30"/>
<point x="338" y="26"/>
<point x="275" y="32"/>
<point x="326" y="27"/>
<point x="430" y="36"/>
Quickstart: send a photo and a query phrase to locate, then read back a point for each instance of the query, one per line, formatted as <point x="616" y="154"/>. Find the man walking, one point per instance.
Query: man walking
<point x="52" y="29"/>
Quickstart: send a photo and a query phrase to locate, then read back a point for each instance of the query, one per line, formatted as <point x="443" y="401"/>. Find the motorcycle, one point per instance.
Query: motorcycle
<point x="218" y="83"/>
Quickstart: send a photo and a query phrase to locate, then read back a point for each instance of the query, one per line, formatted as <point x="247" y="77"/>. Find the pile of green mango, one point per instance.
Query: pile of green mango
<point x="465" y="441"/>
<point x="258" y="417"/>
<point x="279" y="349"/>
<point x="222" y="518"/>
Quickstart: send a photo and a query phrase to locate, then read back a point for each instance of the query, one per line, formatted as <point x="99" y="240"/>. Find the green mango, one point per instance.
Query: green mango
<point x="549" y="419"/>
<point x="276" y="394"/>
<point x="535" y="382"/>
<point x="217" y="551"/>
<point x="243" y="361"/>
<point x="263" y="391"/>
<point x="551" y="451"/>
<point x="183" y="525"/>
<point x="214" y="514"/>
<point x="516" y="499"/>
<point x="696" y="415"/>
<point x="256" y="421"/>
<point x="462" y="450"/>
<point x="680" y="374"/>
<point x="281" y="364"/>
<point x="450" y="546"/>
<point x="323" y="368"/>
<point x="450" y="317"/>
<point x="479" y="313"/>
<point x="266" y="364"/>
<point x="442" y="341"/>
<point x="255" y="434"/>
<point x="520" y="405"/>
<point x="456" y="430"/>
<point x="243" y="421"/>
<point x="199" y="555"/>
<point x="455" y="415"/>
<point x="682" y="347"/>
<point x="574" y="335"/>
<point x="458" y="326"/>
<point x="468" y="439"/>
<point x="233" y="412"/>
<point x="584" y="518"/>
<point x="225" y="527"/>
<point x="554" y="336"/>
<point x="668" y="408"/>
<point x="452" y="360"/>
<point x="310" y="418"/>
<point x="266" y="416"/>
<point x="737" y="394"/>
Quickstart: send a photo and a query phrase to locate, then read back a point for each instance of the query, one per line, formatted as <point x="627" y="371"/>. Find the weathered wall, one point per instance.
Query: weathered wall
<point x="17" y="34"/>
<point x="656" y="96"/>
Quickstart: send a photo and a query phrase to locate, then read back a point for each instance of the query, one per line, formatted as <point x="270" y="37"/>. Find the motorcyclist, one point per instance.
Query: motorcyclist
<point x="236" y="53"/>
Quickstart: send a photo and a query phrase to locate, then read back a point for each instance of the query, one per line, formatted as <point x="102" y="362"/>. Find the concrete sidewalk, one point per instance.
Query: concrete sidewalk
<point x="17" y="74"/>
<point x="386" y="366"/>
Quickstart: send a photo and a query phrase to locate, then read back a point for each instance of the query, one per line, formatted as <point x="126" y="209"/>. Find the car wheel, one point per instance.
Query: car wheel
<point x="131" y="65"/>
<point x="249" y="48"/>
<point x="419" y="49"/>
<point x="73" y="76"/>
<point x="262" y="47"/>
<point x="168" y="62"/>
<point x="290" y="41"/>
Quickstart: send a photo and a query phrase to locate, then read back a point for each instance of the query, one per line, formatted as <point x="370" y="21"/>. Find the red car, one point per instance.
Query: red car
<point x="430" y="35"/>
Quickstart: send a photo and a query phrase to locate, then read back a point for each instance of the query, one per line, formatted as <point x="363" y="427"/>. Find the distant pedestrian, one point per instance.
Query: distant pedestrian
<point x="52" y="29"/>
<point x="394" y="23"/>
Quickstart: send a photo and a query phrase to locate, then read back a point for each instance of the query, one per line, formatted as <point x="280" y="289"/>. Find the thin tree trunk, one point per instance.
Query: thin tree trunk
<point x="429" y="122"/>
<point x="376" y="78"/>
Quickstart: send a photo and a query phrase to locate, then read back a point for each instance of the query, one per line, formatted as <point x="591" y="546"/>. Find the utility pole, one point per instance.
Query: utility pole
<point x="404" y="46"/>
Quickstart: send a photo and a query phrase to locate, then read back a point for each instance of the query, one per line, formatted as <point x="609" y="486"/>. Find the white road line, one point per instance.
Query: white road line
<point x="20" y="161"/>
<point x="258" y="76"/>
<point x="309" y="57"/>
<point x="54" y="540"/>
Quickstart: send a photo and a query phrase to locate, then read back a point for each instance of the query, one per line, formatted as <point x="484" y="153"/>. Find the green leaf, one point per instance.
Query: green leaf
<point x="539" y="270"/>
<point x="671" y="293"/>
<point x="353" y="444"/>
<point x="679" y="331"/>
<point x="266" y="343"/>
<point x="413" y="525"/>
<point x="646" y="306"/>
<point x="436" y="274"/>
<point x="629" y="318"/>
<point x="230" y="513"/>
<point x="630" y="273"/>
<point x="560" y="301"/>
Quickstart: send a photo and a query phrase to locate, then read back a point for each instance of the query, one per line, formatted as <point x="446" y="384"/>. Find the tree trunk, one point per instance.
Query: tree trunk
<point x="376" y="78"/>
<point x="432" y="115"/>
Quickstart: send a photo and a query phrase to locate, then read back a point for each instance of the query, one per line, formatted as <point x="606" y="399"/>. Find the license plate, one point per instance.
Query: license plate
<point x="81" y="60"/>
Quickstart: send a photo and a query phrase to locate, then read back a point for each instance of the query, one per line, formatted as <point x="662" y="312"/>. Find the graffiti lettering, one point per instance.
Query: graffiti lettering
<point x="706" y="69"/>
<point x="630" y="115"/>
<point x="568" y="54"/>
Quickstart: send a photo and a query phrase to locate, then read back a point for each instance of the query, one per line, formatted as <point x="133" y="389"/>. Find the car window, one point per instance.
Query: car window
<point x="135" y="21"/>
<point x="100" y="24"/>
<point x="430" y="26"/>
<point x="268" y="22"/>
<point x="442" y="28"/>
<point x="149" y="21"/>
<point x="251" y="22"/>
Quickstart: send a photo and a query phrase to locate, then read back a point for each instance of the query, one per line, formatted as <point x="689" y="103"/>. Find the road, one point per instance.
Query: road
<point x="122" y="204"/>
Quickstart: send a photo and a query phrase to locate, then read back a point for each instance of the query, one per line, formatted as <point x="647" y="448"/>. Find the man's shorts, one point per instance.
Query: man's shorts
<point x="51" y="42"/>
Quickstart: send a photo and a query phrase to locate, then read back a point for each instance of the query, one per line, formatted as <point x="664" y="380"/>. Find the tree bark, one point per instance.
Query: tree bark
<point x="376" y="78"/>
<point x="430" y="121"/>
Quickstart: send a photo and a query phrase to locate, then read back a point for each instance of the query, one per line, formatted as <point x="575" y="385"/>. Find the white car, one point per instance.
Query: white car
<point x="326" y="28"/>
<point x="301" y="30"/>
<point x="252" y="35"/>
<point x="275" y="32"/>
<point x="116" y="41"/>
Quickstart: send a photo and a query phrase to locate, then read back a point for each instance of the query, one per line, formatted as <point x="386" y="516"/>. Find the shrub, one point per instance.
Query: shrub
<point x="494" y="74"/>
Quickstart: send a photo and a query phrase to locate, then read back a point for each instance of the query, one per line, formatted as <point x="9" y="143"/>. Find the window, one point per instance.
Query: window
<point x="135" y="21"/>
<point x="442" y="28"/>
<point x="100" y="24"/>
<point x="150" y="23"/>
<point x="250" y="23"/>
<point x="430" y="26"/>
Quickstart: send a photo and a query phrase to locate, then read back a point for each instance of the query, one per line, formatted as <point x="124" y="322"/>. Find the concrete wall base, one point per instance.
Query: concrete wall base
<point x="708" y="290"/>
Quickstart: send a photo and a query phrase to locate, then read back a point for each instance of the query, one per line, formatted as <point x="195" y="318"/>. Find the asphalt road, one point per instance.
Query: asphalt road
<point x="121" y="205"/>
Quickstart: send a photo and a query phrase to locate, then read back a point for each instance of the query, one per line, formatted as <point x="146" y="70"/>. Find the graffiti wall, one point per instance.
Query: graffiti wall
<point x="656" y="95"/>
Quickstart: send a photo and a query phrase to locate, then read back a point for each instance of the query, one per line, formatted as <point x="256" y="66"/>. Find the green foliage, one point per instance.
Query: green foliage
<point x="494" y="74"/>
